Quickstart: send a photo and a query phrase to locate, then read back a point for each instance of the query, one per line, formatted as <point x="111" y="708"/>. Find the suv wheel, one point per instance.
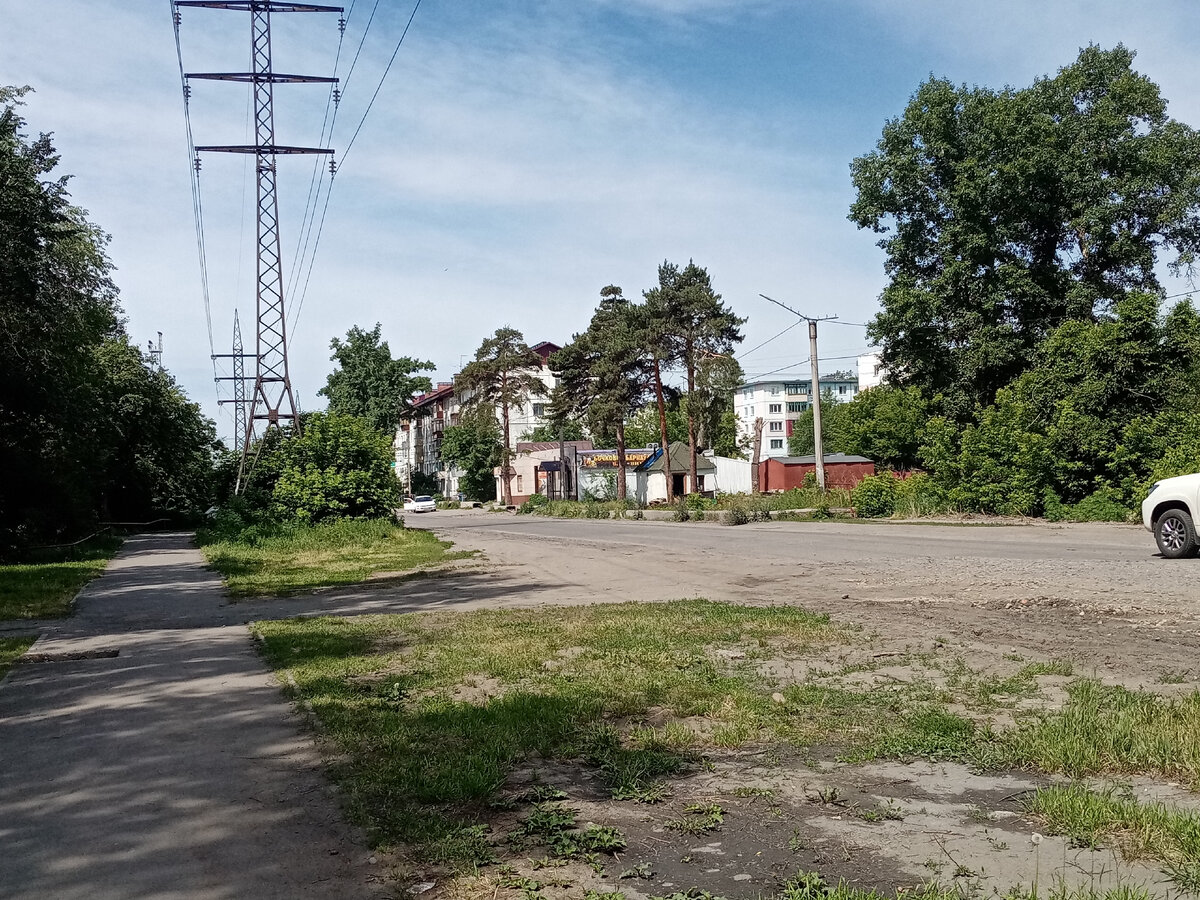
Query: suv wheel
<point x="1175" y="534"/>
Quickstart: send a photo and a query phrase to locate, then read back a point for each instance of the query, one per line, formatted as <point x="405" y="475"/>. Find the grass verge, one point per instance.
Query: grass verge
<point x="11" y="650"/>
<point x="1140" y="829"/>
<point x="279" y="560"/>
<point x="43" y="588"/>
<point x="428" y="716"/>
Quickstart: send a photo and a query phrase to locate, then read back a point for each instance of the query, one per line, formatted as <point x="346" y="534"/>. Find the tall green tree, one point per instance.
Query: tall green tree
<point x="692" y="325"/>
<point x="473" y="445"/>
<point x="87" y="428"/>
<point x="502" y="375"/>
<point x="1005" y="213"/>
<point x="605" y="373"/>
<point x="158" y="449"/>
<point x="369" y="383"/>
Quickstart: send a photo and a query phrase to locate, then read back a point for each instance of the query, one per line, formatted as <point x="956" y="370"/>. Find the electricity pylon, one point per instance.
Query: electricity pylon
<point x="273" y="400"/>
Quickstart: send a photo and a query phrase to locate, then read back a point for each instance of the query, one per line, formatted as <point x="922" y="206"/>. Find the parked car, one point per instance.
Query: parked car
<point x="1170" y="511"/>
<point x="420" y="504"/>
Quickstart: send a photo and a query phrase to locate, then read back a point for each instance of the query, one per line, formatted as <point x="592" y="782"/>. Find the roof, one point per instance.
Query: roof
<point x="545" y="348"/>
<point x="831" y="378"/>
<point x="680" y="461"/>
<point x="830" y="459"/>
<point x="535" y="446"/>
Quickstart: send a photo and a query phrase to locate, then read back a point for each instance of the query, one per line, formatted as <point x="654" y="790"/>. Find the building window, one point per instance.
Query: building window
<point x="777" y="444"/>
<point x="774" y="390"/>
<point x="841" y="389"/>
<point x="776" y="426"/>
<point x="775" y="408"/>
<point x="794" y="390"/>
<point x="539" y="410"/>
<point x="518" y="484"/>
<point x="797" y="407"/>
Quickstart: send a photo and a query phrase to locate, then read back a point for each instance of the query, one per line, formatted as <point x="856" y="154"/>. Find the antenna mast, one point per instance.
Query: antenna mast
<point x="273" y="400"/>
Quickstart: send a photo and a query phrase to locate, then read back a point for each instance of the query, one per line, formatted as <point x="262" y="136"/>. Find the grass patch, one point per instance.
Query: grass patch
<point x="1109" y="730"/>
<point x="419" y="763"/>
<point x="43" y="587"/>
<point x="811" y="886"/>
<point x="427" y="715"/>
<point x="10" y="651"/>
<point x="278" y="560"/>
<point x="1139" y="829"/>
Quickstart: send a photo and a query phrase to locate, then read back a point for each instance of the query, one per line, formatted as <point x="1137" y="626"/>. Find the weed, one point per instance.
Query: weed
<point x="641" y="870"/>
<point x="1169" y="677"/>
<point x="700" y="818"/>
<point x="1140" y="830"/>
<point x="597" y="895"/>
<point x="11" y="649"/>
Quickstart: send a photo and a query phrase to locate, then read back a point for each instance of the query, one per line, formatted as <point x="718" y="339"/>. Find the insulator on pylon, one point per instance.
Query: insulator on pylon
<point x="337" y="96"/>
<point x="187" y="92"/>
<point x="342" y="24"/>
<point x="332" y="167"/>
<point x="178" y="18"/>
<point x="196" y="162"/>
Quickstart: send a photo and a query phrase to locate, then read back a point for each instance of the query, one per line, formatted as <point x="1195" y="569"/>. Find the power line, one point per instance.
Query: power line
<point x="345" y="153"/>
<point x="194" y="167"/>
<point x="743" y="355"/>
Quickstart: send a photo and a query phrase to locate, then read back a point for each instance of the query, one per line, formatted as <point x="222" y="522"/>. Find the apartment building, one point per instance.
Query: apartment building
<point x="418" y="442"/>
<point x="782" y="399"/>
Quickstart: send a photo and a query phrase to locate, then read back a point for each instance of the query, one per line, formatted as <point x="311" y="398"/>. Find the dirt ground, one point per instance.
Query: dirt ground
<point x="988" y="599"/>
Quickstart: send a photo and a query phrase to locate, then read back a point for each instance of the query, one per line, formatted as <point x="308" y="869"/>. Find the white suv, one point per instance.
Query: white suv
<point x="1170" y="511"/>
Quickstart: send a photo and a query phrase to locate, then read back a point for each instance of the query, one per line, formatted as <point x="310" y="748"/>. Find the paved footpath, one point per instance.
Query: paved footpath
<point x="174" y="768"/>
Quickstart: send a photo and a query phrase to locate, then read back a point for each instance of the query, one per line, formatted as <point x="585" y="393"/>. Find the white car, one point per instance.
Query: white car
<point x="1170" y="510"/>
<point x="420" y="504"/>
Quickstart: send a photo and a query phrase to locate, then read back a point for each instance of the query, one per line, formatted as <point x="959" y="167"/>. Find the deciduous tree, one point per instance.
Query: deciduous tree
<point x="1006" y="213"/>
<point x="369" y="383"/>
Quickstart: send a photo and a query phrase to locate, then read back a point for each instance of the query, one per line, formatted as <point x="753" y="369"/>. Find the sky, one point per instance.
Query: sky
<point x="519" y="156"/>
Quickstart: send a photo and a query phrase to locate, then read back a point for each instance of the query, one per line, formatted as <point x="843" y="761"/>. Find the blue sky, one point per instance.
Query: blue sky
<point x="522" y="155"/>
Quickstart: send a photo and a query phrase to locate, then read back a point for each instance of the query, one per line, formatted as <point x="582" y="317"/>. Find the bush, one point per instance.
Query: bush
<point x="537" y="503"/>
<point x="875" y="496"/>
<point x="1103" y="505"/>
<point x="919" y="495"/>
<point x="737" y="515"/>
<point x="338" y="467"/>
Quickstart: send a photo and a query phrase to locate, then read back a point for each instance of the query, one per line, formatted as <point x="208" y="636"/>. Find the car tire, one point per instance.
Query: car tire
<point x="1175" y="534"/>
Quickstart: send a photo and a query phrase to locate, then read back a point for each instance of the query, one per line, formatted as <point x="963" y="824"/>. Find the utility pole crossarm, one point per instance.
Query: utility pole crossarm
<point x="271" y="149"/>
<point x="258" y="6"/>
<point x="262" y="77"/>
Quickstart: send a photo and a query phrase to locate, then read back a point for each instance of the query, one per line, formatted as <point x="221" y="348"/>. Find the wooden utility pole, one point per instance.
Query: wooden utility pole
<point x="756" y="458"/>
<point x="815" y="391"/>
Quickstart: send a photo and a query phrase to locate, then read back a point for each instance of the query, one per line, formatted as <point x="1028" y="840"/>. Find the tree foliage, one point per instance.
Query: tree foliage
<point x="604" y="373"/>
<point x="502" y="375"/>
<point x="369" y="383"/>
<point x="1006" y="213"/>
<point x="87" y="428"/>
<point x="337" y="467"/>
<point x="688" y="324"/>
<point x="474" y="446"/>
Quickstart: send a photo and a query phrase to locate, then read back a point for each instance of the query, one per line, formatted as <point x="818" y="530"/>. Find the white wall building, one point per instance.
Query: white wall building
<point x="871" y="372"/>
<point x="780" y="400"/>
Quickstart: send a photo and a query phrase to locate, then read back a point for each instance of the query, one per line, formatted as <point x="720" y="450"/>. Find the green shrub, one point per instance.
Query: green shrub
<point x="1103" y="505"/>
<point x="537" y="503"/>
<point x="737" y="515"/>
<point x="338" y="467"/>
<point x="875" y="496"/>
<point x="919" y="495"/>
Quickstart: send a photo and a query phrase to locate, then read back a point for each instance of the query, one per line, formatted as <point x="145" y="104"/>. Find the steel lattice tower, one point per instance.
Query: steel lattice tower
<point x="273" y="401"/>
<point x="239" y="383"/>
